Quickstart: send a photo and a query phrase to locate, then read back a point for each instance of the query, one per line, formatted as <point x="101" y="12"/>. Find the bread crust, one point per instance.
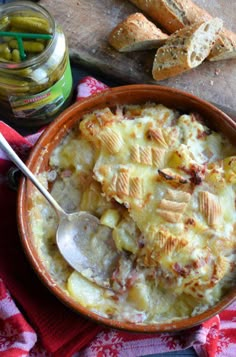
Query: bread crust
<point x="173" y="15"/>
<point x="225" y="46"/>
<point x="185" y="49"/>
<point x="136" y="33"/>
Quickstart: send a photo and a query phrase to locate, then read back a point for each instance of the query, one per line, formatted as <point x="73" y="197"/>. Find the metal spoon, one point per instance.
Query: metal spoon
<point x="83" y="241"/>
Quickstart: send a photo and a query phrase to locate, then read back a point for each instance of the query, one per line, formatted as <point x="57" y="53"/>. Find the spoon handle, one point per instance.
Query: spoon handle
<point x="4" y="145"/>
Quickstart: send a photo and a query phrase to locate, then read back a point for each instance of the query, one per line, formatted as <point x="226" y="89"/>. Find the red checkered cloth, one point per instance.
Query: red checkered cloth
<point x="34" y="323"/>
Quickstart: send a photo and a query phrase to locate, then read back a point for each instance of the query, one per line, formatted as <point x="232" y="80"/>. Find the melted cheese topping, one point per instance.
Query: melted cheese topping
<point x="165" y="184"/>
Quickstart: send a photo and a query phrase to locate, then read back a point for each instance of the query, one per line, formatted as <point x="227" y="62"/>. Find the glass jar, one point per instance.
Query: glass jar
<point x="33" y="90"/>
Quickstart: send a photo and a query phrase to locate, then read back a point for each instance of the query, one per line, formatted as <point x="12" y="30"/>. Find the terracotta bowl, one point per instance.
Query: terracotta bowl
<point x="38" y="161"/>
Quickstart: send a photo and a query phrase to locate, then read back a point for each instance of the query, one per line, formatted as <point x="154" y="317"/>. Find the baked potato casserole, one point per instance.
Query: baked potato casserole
<point x="165" y="184"/>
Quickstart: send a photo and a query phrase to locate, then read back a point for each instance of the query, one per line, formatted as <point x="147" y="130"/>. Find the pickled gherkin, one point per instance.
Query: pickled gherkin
<point x="4" y="22"/>
<point x="5" y="51"/>
<point x="30" y="24"/>
<point x="16" y="56"/>
<point x="29" y="46"/>
<point x="35" y="74"/>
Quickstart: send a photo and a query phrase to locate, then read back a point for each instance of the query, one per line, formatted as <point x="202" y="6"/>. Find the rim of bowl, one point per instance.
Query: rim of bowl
<point x="63" y="123"/>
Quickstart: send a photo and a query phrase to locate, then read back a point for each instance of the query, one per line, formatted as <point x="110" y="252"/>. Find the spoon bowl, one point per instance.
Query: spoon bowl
<point x="78" y="234"/>
<point x="87" y="246"/>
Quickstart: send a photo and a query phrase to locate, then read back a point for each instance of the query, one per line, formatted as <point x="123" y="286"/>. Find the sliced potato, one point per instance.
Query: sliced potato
<point x="110" y="218"/>
<point x="90" y="295"/>
<point x="85" y="292"/>
<point x="124" y="236"/>
<point x="139" y="295"/>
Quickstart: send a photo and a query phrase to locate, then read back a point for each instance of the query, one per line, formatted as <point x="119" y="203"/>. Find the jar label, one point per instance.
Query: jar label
<point x="45" y="103"/>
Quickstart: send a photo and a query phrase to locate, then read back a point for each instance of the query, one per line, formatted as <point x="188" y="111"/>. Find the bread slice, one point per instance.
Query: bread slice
<point x="186" y="49"/>
<point x="173" y="15"/>
<point x="225" y="46"/>
<point x="136" y="33"/>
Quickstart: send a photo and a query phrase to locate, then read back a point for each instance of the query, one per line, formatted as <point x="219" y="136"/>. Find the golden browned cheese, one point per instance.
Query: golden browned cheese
<point x="173" y="187"/>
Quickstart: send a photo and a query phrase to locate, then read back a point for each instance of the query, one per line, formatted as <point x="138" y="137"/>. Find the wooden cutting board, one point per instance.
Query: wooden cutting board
<point x="88" y="23"/>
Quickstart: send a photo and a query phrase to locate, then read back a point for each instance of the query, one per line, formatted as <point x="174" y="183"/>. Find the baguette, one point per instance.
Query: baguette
<point x="185" y="49"/>
<point x="173" y="15"/>
<point x="225" y="47"/>
<point x="136" y="33"/>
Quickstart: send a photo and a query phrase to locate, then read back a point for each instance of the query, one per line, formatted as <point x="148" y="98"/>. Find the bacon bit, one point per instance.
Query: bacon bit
<point x="138" y="318"/>
<point x="122" y="287"/>
<point x="195" y="178"/>
<point x="232" y="161"/>
<point x="232" y="266"/>
<point x="182" y="270"/>
<point x="66" y="173"/>
<point x="200" y="295"/>
<point x="186" y="269"/>
<point x="131" y="280"/>
<point x="203" y="134"/>
<point x="197" y="117"/>
<point x="200" y="262"/>
<point x="195" y="174"/>
<point x="190" y="221"/>
<point x="115" y="274"/>
<point x="141" y="245"/>
<point x="123" y="277"/>
<point x="151" y="275"/>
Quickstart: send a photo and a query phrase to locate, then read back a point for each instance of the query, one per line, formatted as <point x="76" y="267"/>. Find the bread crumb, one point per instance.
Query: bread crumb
<point x="211" y="83"/>
<point x="217" y="71"/>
